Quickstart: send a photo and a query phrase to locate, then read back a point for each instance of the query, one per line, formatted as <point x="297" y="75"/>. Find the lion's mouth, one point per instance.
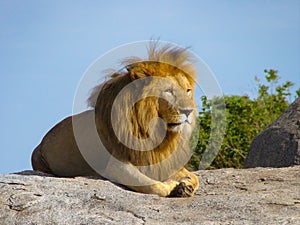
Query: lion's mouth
<point x="173" y="124"/>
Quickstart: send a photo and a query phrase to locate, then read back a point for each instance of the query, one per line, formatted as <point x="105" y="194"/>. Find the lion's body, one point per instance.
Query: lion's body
<point x="58" y="152"/>
<point x="156" y="170"/>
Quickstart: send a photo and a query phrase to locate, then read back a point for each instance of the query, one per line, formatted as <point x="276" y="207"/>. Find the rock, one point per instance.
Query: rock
<point x="226" y="196"/>
<point x="279" y="144"/>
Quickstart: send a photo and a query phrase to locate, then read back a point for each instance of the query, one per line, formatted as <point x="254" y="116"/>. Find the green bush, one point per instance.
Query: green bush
<point x="245" y="119"/>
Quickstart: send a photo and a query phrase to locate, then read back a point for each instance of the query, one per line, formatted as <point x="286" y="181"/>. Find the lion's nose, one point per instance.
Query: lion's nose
<point x="187" y="112"/>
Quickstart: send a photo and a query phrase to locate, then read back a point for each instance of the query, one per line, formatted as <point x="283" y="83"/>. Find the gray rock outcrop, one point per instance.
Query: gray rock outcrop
<point x="227" y="196"/>
<point x="279" y="144"/>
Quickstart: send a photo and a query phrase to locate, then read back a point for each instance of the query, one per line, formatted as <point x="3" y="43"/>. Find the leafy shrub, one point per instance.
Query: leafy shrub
<point x="245" y="119"/>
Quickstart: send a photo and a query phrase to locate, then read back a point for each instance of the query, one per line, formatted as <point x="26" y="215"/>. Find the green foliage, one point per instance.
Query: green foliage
<point x="245" y="119"/>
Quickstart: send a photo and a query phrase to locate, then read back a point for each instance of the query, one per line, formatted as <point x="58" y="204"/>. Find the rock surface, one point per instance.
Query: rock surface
<point x="279" y="144"/>
<point x="227" y="196"/>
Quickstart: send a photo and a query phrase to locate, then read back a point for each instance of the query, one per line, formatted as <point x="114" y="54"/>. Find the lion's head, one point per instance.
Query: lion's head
<point x="146" y="112"/>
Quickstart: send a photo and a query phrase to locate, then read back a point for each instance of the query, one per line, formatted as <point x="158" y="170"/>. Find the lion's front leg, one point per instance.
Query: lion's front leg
<point x="162" y="189"/>
<point x="128" y="175"/>
<point x="188" y="184"/>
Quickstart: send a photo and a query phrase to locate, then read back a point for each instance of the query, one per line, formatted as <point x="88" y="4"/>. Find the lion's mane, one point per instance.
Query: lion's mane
<point x="161" y="62"/>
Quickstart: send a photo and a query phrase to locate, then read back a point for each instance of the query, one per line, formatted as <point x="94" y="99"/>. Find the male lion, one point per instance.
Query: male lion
<point x="138" y="150"/>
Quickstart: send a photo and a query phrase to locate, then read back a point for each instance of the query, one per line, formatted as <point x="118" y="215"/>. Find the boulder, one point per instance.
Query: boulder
<point x="279" y="144"/>
<point x="226" y="196"/>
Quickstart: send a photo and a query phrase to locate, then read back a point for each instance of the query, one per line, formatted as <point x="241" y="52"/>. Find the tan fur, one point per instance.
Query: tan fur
<point x="160" y="166"/>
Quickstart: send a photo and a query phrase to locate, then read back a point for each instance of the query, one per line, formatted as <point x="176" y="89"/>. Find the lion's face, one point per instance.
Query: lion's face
<point x="176" y="106"/>
<point x="173" y="101"/>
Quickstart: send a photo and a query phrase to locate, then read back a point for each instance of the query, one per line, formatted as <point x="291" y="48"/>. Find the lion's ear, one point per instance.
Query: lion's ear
<point x="136" y="71"/>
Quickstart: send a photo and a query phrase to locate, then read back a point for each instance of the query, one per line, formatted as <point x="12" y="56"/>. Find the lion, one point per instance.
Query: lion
<point x="143" y="118"/>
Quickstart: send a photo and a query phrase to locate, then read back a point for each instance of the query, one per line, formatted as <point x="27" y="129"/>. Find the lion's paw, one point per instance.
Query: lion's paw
<point x="182" y="190"/>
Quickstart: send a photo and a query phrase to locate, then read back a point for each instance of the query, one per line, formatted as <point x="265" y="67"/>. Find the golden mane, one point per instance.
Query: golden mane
<point x="167" y="63"/>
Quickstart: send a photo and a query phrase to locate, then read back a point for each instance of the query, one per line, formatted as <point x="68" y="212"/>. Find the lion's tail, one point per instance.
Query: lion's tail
<point x="38" y="162"/>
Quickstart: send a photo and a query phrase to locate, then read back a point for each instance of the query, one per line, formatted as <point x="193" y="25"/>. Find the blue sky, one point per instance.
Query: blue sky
<point x="45" y="47"/>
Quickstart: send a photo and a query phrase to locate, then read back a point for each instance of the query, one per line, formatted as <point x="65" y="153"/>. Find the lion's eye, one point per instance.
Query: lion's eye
<point x="169" y="91"/>
<point x="189" y="91"/>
